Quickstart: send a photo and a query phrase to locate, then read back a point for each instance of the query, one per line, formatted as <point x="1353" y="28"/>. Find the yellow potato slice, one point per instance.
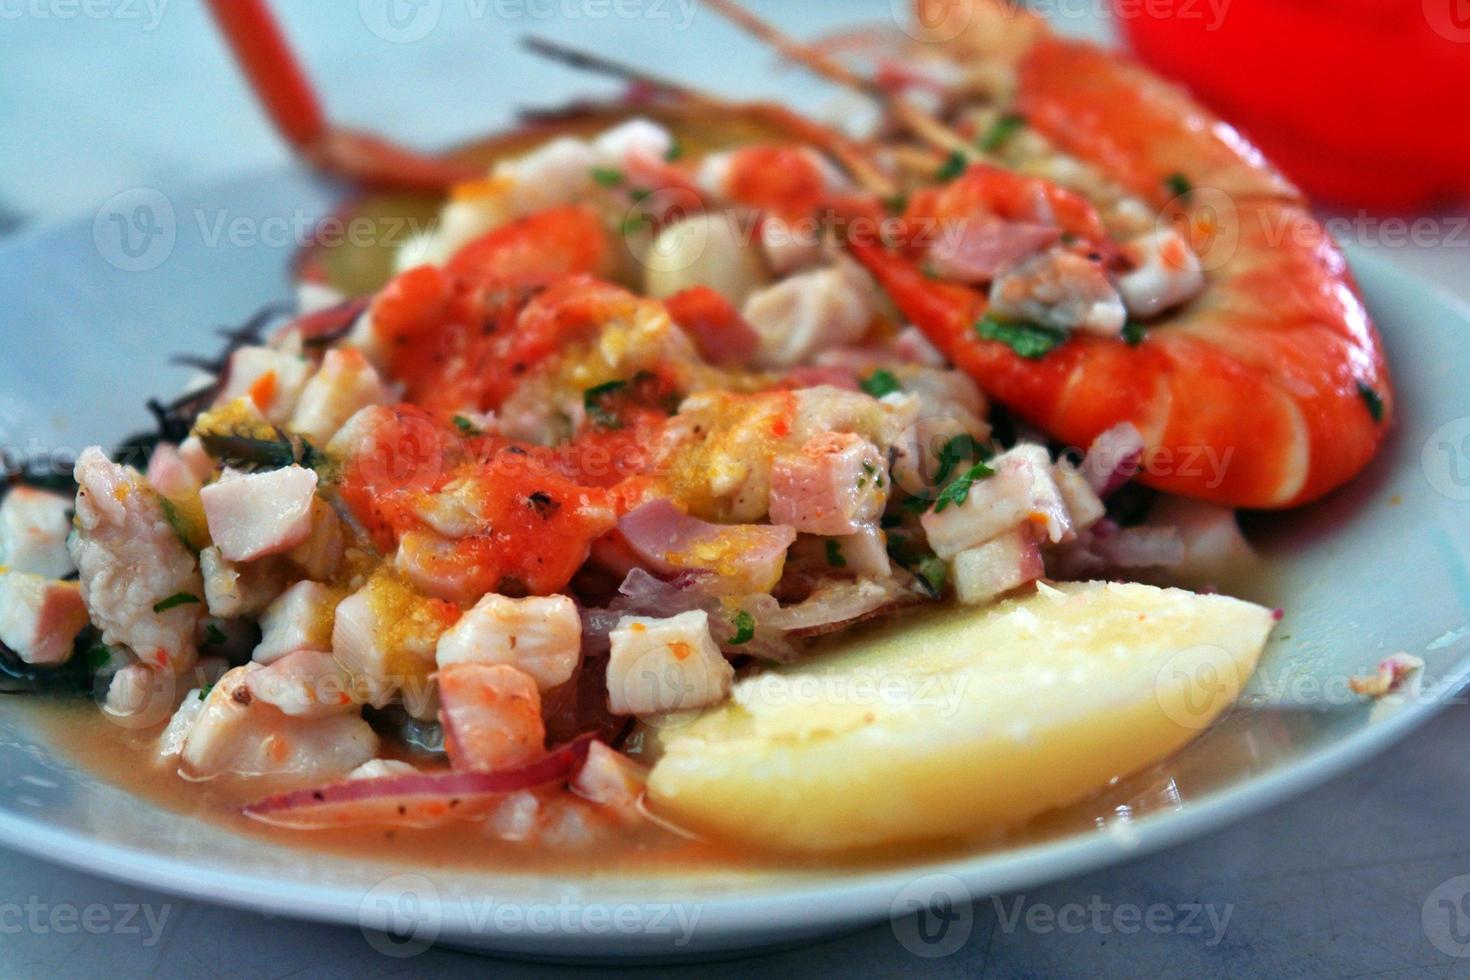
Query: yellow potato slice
<point x="960" y="722"/>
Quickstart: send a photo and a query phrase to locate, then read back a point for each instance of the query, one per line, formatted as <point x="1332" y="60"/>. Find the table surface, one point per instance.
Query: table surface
<point x="107" y="95"/>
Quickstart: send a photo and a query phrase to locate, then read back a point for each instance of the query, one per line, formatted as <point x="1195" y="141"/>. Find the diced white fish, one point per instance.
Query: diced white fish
<point x="1084" y="507"/>
<point x="539" y="635"/>
<point x="1021" y="491"/>
<point x="811" y="311"/>
<point x="40" y="617"/>
<point x="345" y="383"/>
<point x="171" y="742"/>
<point x="232" y="590"/>
<point x="273" y="379"/>
<point x="303" y="684"/>
<point x="1166" y="273"/>
<point x="170" y="474"/>
<point x="1062" y="290"/>
<point x="236" y="733"/>
<point x="140" y="696"/>
<point x="259" y="514"/>
<point x="833" y="485"/>
<point x="982" y="575"/>
<point x="381" y="769"/>
<point x="130" y="560"/>
<point x="319" y="555"/>
<point x="613" y="781"/>
<point x="300" y="618"/>
<point x="491" y="715"/>
<point x="663" y="665"/>
<point x="33" y="529"/>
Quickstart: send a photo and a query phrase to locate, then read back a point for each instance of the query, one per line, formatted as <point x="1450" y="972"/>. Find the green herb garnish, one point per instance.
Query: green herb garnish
<point x="897" y="203"/>
<point x="177" y="599"/>
<point x="213" y="635"/>
<point x="1005" y="127"/>
<point x="1178" y="185"/>
<point x="1031" y="340"/>
<point x="594" y="400"/>
<point x="98" y="657"/>
<point x="959" y="449"/>
<point x="466" y="427"/>
<point x="834" y="554"/>
<point x="744" y="628"/>
<point x="881" y="382"/>
<point x="953" y="166"/>
<point x="958" y="491"/>
<point x="608" y="176"/>
<point x="675" y="151"/>
<point x="933" y="572"/>
<point x="204" y="691"/>
<point x="1133" y="333"/>
<point x="1372" y="399"/>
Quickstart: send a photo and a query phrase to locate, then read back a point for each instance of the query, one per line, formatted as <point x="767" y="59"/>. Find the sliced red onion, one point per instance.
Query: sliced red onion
<point x="838" y="605"/>
<point x="422" y="799"/>
<point x="1113" y="458"/>
<point x="1137" y="547"/>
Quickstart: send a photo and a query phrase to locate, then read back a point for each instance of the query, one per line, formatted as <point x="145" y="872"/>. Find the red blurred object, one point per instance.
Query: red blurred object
<point x="1362" y="102"/>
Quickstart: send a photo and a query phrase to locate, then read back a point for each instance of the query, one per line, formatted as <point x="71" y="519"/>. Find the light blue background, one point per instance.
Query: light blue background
<point x="1330" y="885"/>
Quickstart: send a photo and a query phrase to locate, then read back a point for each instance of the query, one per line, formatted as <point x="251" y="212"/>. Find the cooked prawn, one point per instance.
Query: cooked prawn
<point x="1275" y="375"/>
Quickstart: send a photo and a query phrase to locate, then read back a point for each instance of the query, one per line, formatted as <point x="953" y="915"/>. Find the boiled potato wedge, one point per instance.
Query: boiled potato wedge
<point x="960" y="722"/>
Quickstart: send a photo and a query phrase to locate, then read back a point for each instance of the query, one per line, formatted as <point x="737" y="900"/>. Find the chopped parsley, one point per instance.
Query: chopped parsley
<point x="98" y="657"/>
<point x="933" y="572"/>
<point x="929" y="270"/>
<point x="639" y="194"/>
<point x="897" y="203"/>
<point x="204" y="691"/>
<point x="1031" y="340"/>
<point x="1005" y="127"/>
<point x="1133" y="333"/>
<point x="834" y="554"/>
<point x="213" y="635"/>
<point x="744" y="628"/>
<point x="1178" y="185"/>
<point x="675" y="151"/>
<point x="952" y="167"/>
<point x="634" y="223"/>
<point x="177" y="599"/>
<point x="881" y="382"/>
<point x="962" y="448"/>
<point x="1372" y="399"/>
<point x="595" y="400"/>
<point x="176" y="523"/>
<point x="608" y="176"/>
<point x="467" y="427"/>
<point x="959" y="490"/>
<point x="917" y="505"/>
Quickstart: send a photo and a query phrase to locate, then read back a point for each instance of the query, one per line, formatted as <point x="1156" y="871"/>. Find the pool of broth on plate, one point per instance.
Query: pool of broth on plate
<point x="128" y="759"/>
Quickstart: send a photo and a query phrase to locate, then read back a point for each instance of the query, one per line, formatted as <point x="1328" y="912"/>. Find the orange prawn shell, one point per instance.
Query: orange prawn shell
<point x="1257" y="394"/>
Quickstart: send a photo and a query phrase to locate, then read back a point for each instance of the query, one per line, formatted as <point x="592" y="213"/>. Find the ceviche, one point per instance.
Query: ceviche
<point x="706" y="470"/>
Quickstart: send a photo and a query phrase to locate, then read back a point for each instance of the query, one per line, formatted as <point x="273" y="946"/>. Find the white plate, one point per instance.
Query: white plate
<point x="1380" y="567"/>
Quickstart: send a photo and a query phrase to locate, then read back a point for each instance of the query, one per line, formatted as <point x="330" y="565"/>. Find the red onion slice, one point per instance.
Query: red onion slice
<point x="1113" y="458"/>
<point x="423" y="799"/>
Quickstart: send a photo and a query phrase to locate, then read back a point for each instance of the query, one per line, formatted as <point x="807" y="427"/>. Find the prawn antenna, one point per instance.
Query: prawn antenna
<point x="917" y="121"/>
